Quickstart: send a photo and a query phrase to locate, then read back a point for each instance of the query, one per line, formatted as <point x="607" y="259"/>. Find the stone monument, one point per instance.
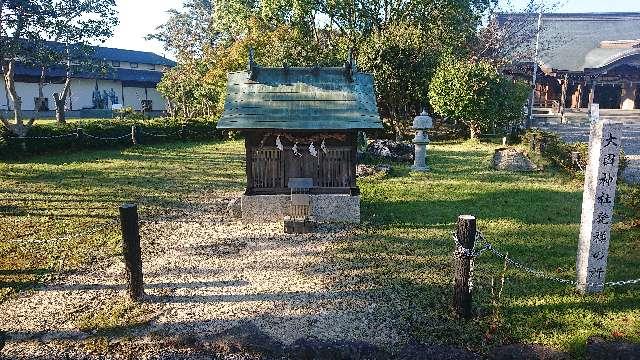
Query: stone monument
<point x="597" y="205"/>
<point x="420" y="124"/>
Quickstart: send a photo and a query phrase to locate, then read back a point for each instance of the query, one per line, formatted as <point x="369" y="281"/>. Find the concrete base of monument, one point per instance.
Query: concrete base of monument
<point x="324" y="208"/>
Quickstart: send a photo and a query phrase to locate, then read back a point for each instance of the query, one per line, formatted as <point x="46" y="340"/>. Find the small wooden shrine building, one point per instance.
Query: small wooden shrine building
<point x="300" y="123"/>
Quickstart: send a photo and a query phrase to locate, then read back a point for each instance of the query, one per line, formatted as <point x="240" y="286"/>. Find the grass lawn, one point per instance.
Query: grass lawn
<point x="50" y="197"/>
<point x="404" y="241"/>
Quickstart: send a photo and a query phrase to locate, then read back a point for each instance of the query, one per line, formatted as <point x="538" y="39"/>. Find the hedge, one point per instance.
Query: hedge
<point x="561" y="153"/>
<point x="103" y="134"/>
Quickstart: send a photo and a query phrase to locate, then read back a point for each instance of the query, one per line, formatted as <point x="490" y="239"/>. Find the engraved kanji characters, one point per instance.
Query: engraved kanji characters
<point x="610" y="140"/>
<point x="600" y="236"/>
<point x="606" y="179"/>
<point x="603" y="199"/>
<point x="603" y="218"/>
<point x="609" y="159"/>
<point x="596" y="272"/>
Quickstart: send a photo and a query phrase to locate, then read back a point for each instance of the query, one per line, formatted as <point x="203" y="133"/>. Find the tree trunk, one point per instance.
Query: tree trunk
<point x="41" y="83"/>
<point x="61" y="100"/>
<point x="13" y="94"/>
<point x="60" y="118"/>
<point x="19" y="128"/>
<point x="474" y="131"/>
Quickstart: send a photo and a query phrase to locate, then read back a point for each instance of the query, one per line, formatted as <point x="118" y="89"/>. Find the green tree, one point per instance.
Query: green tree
<point x="76" y="23"/>
<point x="189" y="31"/>
<point x="21" y="24"/>
<point x="27" y="25"/>
<point x="399" y="41"/>
<point x="402" y="60"/>
<point x="476" y="94"/>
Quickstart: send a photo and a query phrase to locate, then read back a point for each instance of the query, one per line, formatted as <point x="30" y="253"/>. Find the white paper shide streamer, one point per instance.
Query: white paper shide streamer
<point x="312" y="150"/>
<point x="323" y="147"/>
<point x="279" y="144"/>
<point x="295" y="150"/>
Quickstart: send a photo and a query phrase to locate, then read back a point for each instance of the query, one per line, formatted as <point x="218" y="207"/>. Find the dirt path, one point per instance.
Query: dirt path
<point x="205" y="274"/>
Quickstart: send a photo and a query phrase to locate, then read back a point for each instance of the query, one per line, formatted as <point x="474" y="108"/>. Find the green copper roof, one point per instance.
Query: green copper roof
<point x="300" y="99"/>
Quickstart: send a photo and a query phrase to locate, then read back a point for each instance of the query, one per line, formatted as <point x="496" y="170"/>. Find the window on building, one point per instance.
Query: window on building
<point x="115" y="63"/>
<point x="134" y="65"/>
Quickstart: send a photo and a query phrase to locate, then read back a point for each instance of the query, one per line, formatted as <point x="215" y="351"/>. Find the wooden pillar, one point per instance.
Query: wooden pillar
<point x="466" y="235"/>
<point x="577" y="97"/>
<point x="592" y="94"/>
<point x="628" y="96"/>
<point x="563" y="96"/>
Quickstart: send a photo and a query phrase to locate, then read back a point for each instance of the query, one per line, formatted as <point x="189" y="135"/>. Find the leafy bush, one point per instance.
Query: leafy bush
<point x="475" y="93"/>
<point x="569" y="157"/>
<point x="128" y="113"/>
<point x="572" y="158"/>
<point x="101" y="134"/>
<point x="629" y="201"/>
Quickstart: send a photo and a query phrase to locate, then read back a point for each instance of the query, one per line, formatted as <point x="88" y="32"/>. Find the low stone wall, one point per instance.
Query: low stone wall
<point x="324" y="208"/>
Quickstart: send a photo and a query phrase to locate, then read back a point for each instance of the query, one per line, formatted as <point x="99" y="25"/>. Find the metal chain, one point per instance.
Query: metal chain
<point x="42" y="137"/>
<point x="186" y="131"/>
<point x="472" y="253"/>
<point x="106" y="138"/>
<point x="160" y="135"/>
<point x="521" y="266"/>
<point x="542" y="274"/>
<point x="622" y="282"/>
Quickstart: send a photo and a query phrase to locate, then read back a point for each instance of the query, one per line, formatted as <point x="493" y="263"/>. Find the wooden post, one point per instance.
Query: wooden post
<point x="628" y="96"/>
<point x="592" y="94"/>
<point x="563" y="96"/>
<point x="597" y="205"/>
<point x="182" y="132"/>
<point x="462" y="296"/>
<point x="134" y="140"/>
<point x="131" y="250"/>
<point x="578" y="103"/>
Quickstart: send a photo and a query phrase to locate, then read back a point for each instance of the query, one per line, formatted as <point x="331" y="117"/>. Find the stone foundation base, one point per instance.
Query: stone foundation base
<point x="324" y="208"/>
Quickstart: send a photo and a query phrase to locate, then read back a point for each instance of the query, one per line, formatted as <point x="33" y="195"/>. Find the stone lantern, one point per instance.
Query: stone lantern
<point x="420" y="124"/>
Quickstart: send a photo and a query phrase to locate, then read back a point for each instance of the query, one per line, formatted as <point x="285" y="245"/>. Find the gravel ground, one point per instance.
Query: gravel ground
<point x="205" y="274"/>
<point x="630" y="142"/>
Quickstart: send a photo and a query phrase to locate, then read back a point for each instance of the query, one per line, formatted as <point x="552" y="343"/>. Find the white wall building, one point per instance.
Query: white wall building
<point x="131" y="77"/>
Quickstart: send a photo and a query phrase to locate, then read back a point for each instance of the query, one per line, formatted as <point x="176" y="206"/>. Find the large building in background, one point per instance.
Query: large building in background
<point x="128" y="78"/>
<point x="584" y="58"/>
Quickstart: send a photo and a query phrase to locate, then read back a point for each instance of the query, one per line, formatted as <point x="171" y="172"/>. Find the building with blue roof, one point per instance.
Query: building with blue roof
<point x="126" y="78"/>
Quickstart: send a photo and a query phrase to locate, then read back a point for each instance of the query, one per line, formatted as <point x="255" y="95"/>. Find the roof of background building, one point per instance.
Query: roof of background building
<point x="127" y="76"/>
<point x="574" y="42"/>
<point x="133" y="77"/>
<point x="300" y="99"/>
<point x="141" y="57"/>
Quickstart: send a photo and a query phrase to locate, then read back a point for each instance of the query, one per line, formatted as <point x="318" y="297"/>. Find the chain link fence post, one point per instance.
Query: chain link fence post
<point x="132" y="251"/>
<point x="134" y="139"/>
<point x="463" y="263"/>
